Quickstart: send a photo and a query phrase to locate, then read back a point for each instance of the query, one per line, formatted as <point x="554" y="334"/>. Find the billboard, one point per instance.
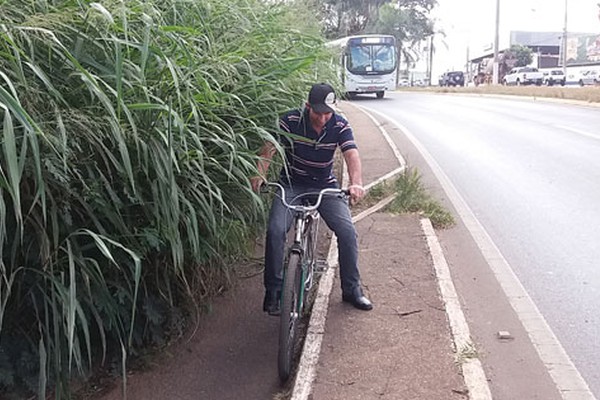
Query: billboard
<point x="583" y="49"/>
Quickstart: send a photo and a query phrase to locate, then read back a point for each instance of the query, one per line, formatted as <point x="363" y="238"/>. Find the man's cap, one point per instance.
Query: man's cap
<point x="321" y="98"/>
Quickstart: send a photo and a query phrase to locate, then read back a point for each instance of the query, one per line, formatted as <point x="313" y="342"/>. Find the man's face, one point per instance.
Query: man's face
<point x="317" y="119"/>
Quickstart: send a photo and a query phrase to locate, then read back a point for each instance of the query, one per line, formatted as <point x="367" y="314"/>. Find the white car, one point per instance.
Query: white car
<point x="554" y="77"/>
<point x="589" y="77"/>
<point x="523" y="76"/>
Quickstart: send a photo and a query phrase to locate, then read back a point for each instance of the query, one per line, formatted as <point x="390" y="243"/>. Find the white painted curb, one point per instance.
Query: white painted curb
<point x="472" y="370"/>
<point x="307" y="367"/>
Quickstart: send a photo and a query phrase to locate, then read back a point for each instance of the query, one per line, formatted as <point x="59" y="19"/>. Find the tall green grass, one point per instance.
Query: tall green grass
<point x="410" y="196"/>
<point x="129" y="129"/>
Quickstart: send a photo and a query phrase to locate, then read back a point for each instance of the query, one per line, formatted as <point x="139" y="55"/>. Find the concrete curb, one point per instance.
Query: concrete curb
<point x="307" y="367"/>
<point x="472" y="369"/>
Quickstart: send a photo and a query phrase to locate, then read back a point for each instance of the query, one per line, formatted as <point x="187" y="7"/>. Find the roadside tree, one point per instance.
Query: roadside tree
<point x="518" y="56"/>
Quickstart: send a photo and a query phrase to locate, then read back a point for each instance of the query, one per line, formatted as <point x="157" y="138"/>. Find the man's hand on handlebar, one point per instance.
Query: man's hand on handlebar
<point x="356" y="193"/>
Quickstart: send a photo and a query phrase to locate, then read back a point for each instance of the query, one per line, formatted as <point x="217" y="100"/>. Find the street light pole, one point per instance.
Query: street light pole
<point x="564" y="42"/>
<point x="430" y="59"/>
<point x="496" y="66"/>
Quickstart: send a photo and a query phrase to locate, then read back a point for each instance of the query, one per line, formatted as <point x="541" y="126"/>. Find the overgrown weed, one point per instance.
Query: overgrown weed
<point x="411" y="197"/>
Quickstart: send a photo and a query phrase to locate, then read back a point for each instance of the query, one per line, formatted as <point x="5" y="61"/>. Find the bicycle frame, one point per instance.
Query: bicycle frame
<point x="297" y="273"/>
<point x="304" y="221"/>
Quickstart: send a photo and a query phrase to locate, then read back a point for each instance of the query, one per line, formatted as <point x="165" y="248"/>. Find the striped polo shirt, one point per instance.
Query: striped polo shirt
<point x="309" y="155"/>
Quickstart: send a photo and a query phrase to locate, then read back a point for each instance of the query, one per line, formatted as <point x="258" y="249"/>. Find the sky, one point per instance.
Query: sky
<point x="469" y="25"/>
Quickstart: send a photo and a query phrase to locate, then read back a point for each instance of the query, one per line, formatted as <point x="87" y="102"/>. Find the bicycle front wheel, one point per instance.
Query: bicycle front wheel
<point x="290" y="315"/>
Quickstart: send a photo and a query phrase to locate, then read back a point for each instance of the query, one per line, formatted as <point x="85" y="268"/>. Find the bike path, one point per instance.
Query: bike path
<point x="403" y="348"/>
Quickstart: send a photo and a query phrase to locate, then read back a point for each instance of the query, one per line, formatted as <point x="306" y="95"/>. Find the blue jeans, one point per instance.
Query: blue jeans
<point x="336" y="214"/>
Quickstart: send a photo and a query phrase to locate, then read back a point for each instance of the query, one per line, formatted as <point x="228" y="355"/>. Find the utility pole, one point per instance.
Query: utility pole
<point x="468" y="65"/>
<point x="564" y="42"/>
<point x="427" y="73"/>
<point x="430" y="66"/>
<point x="496" y="71"/>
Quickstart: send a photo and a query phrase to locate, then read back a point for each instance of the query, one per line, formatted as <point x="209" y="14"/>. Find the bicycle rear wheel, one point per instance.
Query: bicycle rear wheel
<point x="290" y="315"/>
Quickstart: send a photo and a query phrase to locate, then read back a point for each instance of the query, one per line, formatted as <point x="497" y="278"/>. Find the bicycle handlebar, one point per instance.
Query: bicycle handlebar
<point x="303" y="208"/>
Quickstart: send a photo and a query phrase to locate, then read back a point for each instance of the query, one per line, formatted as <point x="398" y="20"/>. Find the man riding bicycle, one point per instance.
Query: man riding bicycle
<point x="309" y="156"/>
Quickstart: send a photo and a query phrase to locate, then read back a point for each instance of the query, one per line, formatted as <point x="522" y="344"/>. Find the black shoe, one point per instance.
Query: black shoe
<point x="358" y="301"/>
<point x="271" y="302"/>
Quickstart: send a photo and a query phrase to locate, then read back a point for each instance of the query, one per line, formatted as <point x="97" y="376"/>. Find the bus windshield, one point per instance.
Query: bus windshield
<point x="371" y="59"/>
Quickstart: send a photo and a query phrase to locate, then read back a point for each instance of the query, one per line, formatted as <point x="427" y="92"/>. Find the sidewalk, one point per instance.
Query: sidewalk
<point x="403" y="348"/>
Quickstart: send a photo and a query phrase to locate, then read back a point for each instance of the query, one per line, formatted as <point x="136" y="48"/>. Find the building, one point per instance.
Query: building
<point x="582" y="49"/>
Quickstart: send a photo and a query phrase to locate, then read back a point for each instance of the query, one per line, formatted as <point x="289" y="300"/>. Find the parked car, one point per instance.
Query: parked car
<point x="589" y="77"/>
<point x="523" y="76"/>
<point x="554" y="77"/>
<point x="453" y="78"/>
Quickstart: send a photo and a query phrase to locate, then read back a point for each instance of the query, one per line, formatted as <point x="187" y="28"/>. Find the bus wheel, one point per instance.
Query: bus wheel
<point x="380" y="94"/>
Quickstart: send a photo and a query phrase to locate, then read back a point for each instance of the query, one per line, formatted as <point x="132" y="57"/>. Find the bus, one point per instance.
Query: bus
<point x="368" y="63"/>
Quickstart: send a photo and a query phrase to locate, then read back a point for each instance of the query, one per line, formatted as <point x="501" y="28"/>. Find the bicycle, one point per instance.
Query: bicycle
<point x="299" y="270"/>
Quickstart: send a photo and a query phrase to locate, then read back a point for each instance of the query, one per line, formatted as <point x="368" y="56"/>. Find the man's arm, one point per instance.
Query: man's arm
<point x="267" y="151"/>
<point x="352" y="158"/>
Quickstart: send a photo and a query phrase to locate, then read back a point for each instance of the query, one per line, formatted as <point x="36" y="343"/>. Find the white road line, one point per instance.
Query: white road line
<point x="565" y="375"/>
<point x="579" y="132"/>
<point x="472" y="370"/>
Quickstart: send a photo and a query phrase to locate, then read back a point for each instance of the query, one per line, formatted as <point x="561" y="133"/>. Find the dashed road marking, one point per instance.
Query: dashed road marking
<point x="579" y="132"/>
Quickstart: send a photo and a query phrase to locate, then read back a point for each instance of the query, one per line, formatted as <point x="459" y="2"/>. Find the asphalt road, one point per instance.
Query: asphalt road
<point x="530" y="172"/>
